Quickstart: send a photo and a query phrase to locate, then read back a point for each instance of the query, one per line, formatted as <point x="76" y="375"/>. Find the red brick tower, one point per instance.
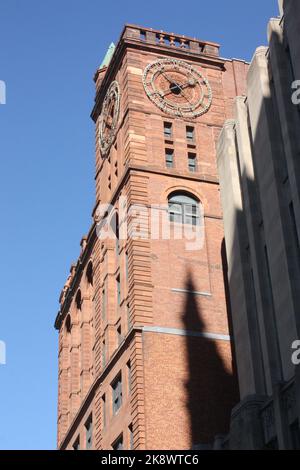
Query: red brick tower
<point x="144" y="349"/>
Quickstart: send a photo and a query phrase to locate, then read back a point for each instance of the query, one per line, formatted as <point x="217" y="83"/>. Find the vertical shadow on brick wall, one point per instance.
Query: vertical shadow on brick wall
<point x="211" y="389"/>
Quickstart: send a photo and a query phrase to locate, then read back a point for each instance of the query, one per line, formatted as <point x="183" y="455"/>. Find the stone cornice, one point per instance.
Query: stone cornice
<point x="125" y="41"/>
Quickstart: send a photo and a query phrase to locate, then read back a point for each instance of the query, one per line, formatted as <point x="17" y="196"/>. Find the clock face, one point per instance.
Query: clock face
<point x="177" y="88"/>
<point x="109" y="117"/>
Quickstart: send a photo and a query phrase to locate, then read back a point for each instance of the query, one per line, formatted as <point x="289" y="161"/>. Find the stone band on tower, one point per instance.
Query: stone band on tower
<point x="145" y="356"/>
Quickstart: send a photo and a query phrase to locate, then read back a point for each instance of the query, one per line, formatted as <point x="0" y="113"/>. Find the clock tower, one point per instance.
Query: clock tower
<point x="145" y="355"/>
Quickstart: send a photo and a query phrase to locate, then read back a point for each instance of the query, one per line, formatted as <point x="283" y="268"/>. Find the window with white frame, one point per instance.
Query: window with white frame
<point x="168" y="130"/>
<point x="190" y="133"/>
<point x="169" y="155"/>
<point x="184" y="209"/>
<point x="192" y="162"/>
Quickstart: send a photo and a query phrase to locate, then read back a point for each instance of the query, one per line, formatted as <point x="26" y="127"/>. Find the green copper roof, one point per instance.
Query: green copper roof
<point x="108" y="56"/>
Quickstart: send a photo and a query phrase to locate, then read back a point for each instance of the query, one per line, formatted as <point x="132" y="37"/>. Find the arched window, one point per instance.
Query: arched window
<point x="89" y="273"/>
<point x="78" y="300"/>
<point x="184" y="208"/>
<point x="68" y="324"/>
<point x="115" y="228"/>
<point x="114" y="223"/>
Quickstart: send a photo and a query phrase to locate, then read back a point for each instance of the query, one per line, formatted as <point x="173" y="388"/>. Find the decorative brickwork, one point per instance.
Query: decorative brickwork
<point x="149" y="340"/>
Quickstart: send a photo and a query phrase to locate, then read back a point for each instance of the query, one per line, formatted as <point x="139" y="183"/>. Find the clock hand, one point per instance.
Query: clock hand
<point x="174" y="83"/>
<point x="180" y="86"/>
<point x="165" y="92"/>
<point x="171" y="89"/>
<point x="167" y="78"/>
<point x="184" y="95"/>
<point x="183" y="86"/>
<point x="188" y="83"/>
<point x="176" y="87"/>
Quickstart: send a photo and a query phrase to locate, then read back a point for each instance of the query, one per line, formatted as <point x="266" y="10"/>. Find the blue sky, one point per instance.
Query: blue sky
<point x="49" y="51"/>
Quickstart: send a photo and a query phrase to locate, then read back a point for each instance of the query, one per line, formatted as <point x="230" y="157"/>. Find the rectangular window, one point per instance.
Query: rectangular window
<point x="103" y="304"/>
<point x="190" y="134"/>
<point x="118" y="444"/>
<point x="130" y="437"/>
<point x="119" y="289"/>
<point x="169" y="158"/>
<point x="128" y="316"/>
<point x="76" y="445"/>
<point x="119" y="335"/>
<point x="126" y="266"/>
<point x="117" y="394"/>
<point x="191" y="214"/>
<point x="103" y="411"/>
<point x="175" y="212"/>
<point x="103" y="353"/>
<point x="116" y="231"/>
<point x="129" y="375"/>
<point x="168" y="130"/>
<point x="89" y="432"/>
<point x="192" y="162"/>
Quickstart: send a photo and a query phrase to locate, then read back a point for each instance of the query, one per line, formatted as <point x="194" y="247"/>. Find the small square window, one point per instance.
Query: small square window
<point x="118" y="444"/>
<point x="168" y="132"/>
<point x="169" y="158"/>
<point x="190" y="133"/>
<point x="192" y="162"/>
<point x="117" y="394"/>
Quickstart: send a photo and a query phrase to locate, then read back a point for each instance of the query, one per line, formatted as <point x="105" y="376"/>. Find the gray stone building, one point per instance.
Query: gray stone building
<point x="259" y="167"/>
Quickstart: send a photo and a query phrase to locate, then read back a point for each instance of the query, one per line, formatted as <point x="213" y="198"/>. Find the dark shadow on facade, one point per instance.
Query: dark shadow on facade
<point x="264" y="287"/>
<point x="212" y="390"/>
<point x="228" y="307"/>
